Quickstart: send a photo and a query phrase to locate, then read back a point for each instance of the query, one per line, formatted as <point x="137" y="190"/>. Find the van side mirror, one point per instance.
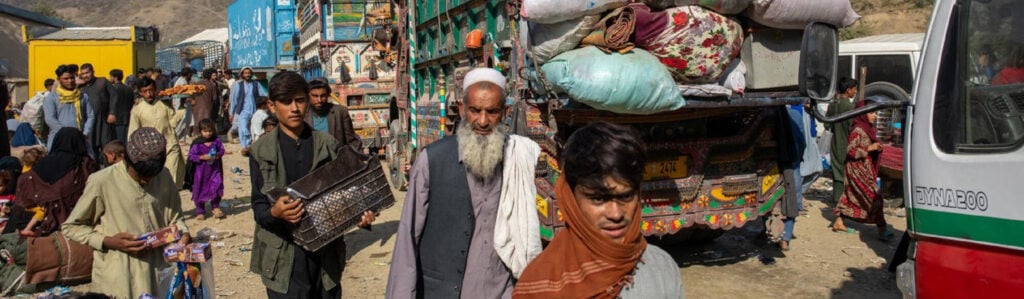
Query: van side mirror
<point x="818" y="62"/>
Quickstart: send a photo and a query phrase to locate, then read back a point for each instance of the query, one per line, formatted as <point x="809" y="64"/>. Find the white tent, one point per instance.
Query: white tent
<point x="216" y="34"/>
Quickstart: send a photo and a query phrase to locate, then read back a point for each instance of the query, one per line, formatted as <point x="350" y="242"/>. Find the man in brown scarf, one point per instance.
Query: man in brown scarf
<point x="601" y="253"/>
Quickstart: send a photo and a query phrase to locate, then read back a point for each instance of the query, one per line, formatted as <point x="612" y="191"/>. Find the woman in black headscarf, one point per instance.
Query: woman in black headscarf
<point x="10" y="169"/>
<point x="56" y="182"/>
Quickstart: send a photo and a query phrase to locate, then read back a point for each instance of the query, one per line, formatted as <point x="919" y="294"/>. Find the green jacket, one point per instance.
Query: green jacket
<point x="272" y="256"/>
<point x="840" y="135"/>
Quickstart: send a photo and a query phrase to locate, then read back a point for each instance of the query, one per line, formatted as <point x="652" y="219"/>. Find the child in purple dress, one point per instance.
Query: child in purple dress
<point x="208" y="183"/>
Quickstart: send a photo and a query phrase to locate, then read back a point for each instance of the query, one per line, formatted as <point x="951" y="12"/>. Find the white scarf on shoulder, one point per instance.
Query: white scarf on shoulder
<point x="517" y="229"/>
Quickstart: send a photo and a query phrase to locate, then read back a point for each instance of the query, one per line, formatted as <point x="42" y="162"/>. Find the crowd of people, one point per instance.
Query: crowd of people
<point x="106" y="162"/>
<point x="106" y="196"/>
<point x="100" y="162"/>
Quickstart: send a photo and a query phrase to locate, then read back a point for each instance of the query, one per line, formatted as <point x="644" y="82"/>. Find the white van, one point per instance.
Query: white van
<point x="965" y="151"/>
<point x="891" y="61"/>
<point x="889" y="58"/>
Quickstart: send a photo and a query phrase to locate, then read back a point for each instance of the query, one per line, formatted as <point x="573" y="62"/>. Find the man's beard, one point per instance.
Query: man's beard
<point x="324" y="109"/>
<point x="481" y="154"/>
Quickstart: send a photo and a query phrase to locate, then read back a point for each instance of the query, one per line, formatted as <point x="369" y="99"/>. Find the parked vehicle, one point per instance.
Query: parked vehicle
<point x="965" y="130"/>
<point x="262" y="35"/>
<point x="891" y="62"/>
<point x="714" y="162"/>
<point x="125" y="48"/>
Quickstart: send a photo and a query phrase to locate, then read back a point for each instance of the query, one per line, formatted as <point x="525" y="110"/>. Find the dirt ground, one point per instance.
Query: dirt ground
<point x="821" y="264"/>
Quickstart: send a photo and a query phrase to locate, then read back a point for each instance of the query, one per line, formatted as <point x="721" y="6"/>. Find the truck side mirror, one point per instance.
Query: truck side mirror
<point x="818" y="71"/>
<point x="818" y="62"/>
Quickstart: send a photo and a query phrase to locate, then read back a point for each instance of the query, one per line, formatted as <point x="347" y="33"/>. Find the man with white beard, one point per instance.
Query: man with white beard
<point x="456" y="238"/>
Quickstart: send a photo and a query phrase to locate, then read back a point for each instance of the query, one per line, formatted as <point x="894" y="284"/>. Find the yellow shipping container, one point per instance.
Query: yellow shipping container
<point x="107" y="48"/>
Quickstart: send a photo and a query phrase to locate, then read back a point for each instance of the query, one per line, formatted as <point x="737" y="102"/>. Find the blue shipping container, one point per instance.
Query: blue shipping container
<point x="287" y="34"/>
<point x="251" y="34"/>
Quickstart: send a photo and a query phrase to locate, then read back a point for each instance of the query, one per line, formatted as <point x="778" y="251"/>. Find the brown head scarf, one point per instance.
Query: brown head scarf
<point x="581" y="262"/>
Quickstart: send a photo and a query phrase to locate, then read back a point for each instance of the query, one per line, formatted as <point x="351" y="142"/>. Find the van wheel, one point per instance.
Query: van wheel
<point x="886" y="89"/>
<point x="887" y="117"/>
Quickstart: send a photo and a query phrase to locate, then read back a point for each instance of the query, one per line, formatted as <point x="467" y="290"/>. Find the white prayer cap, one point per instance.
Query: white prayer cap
<point x="483" y="75"/>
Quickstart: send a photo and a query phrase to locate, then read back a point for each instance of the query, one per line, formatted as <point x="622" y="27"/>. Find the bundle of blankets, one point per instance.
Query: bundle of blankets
<point x="655" y="52"/>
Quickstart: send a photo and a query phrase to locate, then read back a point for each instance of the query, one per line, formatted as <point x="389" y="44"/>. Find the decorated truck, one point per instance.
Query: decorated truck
<point x="706" y="87"/>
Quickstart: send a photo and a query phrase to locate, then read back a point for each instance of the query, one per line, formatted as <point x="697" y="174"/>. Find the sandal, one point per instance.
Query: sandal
<point x="848" y="230"/>
<point x="217" y="213"/>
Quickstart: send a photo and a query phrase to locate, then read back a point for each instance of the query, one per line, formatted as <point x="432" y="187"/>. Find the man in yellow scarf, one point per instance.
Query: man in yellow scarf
<point x="67" y="106"/>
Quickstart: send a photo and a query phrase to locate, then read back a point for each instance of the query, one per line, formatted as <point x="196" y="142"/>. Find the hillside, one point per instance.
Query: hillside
<point x="176" y="19"/>
<point x="889" y="16"/>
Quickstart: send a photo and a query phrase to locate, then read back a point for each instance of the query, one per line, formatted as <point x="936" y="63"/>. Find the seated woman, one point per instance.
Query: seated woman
<point x="56" y="182"/>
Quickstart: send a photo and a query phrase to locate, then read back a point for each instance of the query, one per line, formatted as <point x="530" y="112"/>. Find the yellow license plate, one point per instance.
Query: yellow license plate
<point x="542" y="206"/>
<point x="666" y="169"/>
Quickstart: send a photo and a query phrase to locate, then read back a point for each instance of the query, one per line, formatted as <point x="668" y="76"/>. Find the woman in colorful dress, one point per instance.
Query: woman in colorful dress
<point x="861" y="200"/>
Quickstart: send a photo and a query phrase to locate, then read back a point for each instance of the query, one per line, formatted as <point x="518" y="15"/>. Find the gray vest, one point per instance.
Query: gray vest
<point x="241" y="95"/>
<point x="448" y="228"/>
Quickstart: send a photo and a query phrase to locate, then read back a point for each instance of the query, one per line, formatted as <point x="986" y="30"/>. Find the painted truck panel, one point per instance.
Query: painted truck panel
<point x="251" y="34"/>
<point x="344" y="22"/>
<point x="286" y="33"/>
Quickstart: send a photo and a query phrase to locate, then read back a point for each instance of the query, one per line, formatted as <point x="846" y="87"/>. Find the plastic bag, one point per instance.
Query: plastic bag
<point x="32" y="113"/>
<point x="554" y="11"/>
<point x="734" y="81"/>
<point x="631" y="83"/>
<point x="729" y="7"/>
<point x="189" y="281"/>
<point x="796" y="14"/>
<point x="549" y="40"/>
<point x="735" y="78"/>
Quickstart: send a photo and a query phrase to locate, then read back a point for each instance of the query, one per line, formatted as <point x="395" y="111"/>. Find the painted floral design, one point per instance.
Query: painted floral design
<point x="697" y="45"/>
<point x="727" y="219"/>
<point x="660" y="226"/>
<point x="703" y="201"/>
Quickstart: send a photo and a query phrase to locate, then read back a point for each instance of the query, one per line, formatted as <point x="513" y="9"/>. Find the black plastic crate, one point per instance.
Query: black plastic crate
<point x="336" y="195"/>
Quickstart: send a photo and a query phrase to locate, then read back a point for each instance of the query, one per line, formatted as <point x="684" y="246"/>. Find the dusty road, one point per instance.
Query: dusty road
<point x="821" y="264"/>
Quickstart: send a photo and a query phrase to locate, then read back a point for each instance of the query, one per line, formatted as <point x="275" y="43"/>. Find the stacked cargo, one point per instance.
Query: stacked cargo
<point x="644" y="57"/>
<point x="699" y="80"/>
